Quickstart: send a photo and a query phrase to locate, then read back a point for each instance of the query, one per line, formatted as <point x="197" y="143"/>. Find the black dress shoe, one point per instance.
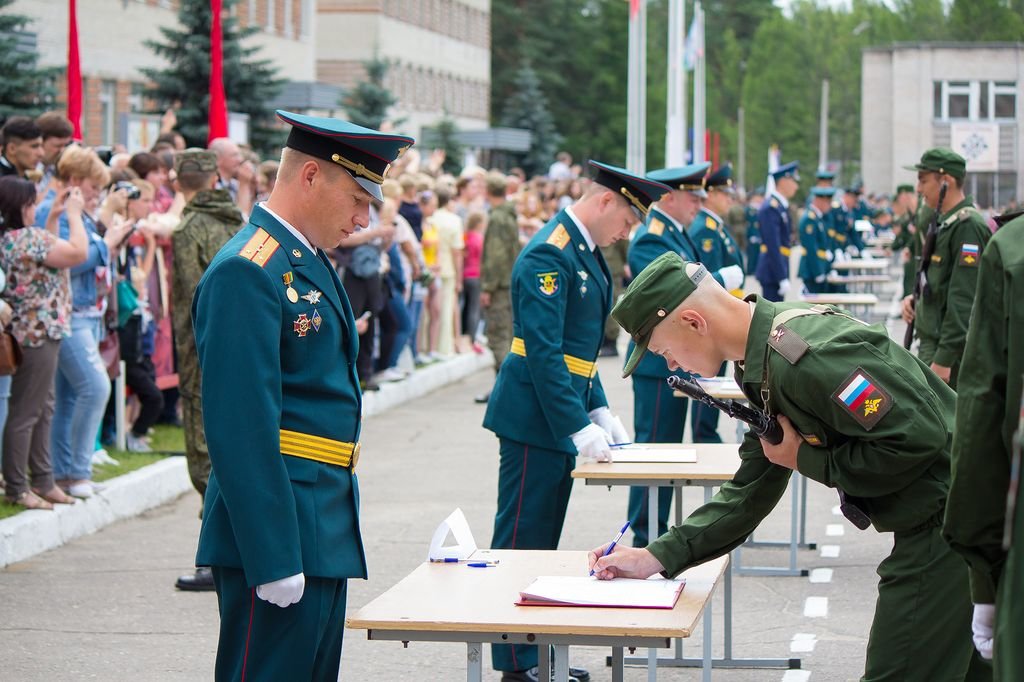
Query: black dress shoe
<point x="200" y="581"/>
<point x="533" y="675"/>
<point x="482" y="398"/>
<point x="608" y="350"/>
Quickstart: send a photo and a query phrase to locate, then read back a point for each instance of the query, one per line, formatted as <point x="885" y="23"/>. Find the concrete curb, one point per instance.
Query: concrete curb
<point x="32" y="532"/>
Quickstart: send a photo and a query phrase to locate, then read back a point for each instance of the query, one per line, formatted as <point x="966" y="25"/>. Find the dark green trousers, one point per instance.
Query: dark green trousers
<point x="261" y="641"/>
<point x="922" y="625"/>
<point x="533" y="493"/>
<point x="658" y="417"/>
<point x="1007" y="650"/>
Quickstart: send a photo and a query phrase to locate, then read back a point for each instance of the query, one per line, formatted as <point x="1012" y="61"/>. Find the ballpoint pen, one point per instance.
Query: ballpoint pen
<point x="619" y="445"/>
<point x="614" y="542"/>
<point x="475" y="563"/>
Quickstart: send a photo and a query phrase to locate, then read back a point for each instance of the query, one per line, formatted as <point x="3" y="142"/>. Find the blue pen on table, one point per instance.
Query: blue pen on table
<point x="619" y="445"/>
<point x="468" y="562"/>
<point x="614" y="542"/>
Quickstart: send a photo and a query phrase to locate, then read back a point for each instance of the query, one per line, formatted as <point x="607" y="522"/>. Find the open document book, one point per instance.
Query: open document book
<point x="625" y="593"/>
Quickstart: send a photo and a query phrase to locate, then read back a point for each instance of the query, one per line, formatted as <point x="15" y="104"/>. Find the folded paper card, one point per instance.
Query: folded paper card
<point x="458" y="528"/>
<point x="639" y="453"/>
<point x="624" y="593"/>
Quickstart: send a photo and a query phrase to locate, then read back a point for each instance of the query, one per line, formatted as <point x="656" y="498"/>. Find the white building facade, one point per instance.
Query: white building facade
<point x="966" y="96"/>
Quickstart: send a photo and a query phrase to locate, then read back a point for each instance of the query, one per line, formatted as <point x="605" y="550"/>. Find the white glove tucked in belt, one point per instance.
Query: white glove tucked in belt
<point x="283" y="592"/>
<point x="784" y="287"/>
<point x="611" y="424"/>
<point x="592" y="443"/>
<point x="982" y="625"/>
<point x="732" y="277"/>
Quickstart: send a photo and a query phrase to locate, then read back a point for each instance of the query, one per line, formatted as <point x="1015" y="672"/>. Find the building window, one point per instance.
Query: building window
<point x="136" y="98"/>
<point x="974" y="100"/>
<point x="992" y="190"/>
<point x="270" y="16"/>
<point x="288" y="28"/>
<point x="108" y="111"/>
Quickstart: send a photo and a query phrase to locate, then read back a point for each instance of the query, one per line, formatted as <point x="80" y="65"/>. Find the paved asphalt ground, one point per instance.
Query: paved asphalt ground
<point x="104" y="607"/>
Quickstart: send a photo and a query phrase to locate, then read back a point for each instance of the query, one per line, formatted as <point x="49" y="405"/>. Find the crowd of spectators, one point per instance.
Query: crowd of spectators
<point x="87" y="264"/>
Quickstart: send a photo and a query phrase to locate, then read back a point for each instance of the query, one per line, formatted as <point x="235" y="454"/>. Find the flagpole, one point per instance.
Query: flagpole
<point x="675" y="115"/>
<point x="823" y="128"/>
<point x="74" y="74"/>
<point x="636" y="110"/>
<point x="699" y="84"/>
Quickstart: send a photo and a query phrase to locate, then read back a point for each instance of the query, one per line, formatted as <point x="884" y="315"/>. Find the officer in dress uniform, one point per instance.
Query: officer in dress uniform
<point x="858" y="413"/>
<point x="773" y="266"/>
<point x="717" y="250"/>
<point x="816" y="261"/>
<point x="751" y="210"/>
<point x="277" y="345"/>
<point x="988" y="418"/>
<point x="547" y="405"/>
<point x="942" y="314"/>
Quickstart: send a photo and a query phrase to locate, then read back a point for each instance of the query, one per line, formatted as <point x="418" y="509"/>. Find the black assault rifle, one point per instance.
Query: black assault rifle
<point x="921" y="279"/>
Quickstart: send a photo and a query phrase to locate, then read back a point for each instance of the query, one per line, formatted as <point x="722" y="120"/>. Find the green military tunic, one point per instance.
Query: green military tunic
<point x="876" y="424"/>
<point x="547" y="385"/>
<point x="1009" y="659"/>
<point x="209" y="220"/>
<point x="710" y="235"/>
<point x="987" y="419"/>
<point x="905" y="239"/>
<point x="944" y="310"/>
<point x="277" y="347"/>
<point x="816" y="261"/>
<point x="501" y="246"/>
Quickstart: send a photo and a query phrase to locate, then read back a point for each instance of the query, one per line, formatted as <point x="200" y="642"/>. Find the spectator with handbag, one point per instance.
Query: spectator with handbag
<point x="37" y="291"/>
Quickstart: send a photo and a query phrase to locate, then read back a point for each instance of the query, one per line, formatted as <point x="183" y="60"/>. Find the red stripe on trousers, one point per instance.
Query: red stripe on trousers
<point x="248" y="634"/>
<point x="519" y="506"/>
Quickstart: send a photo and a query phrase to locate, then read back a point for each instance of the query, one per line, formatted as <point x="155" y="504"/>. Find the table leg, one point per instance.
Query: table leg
<point x="561" y="663"/>
<point x="544" y="662"/>
<point x="474" y="662"/>
<point x="705" y="675"/>
<point x="618" y="665"/>
<point x="652" y="533"/>
<point x="679" y="522"/>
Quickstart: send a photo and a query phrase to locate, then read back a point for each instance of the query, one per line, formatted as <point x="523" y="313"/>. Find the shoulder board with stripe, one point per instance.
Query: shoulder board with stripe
<point x="657" y="227"/>
<point x="709" y="222"/>
<point x="559" y="238"/>
<point x="260" y="248"/>
<point x="774" y="203"/>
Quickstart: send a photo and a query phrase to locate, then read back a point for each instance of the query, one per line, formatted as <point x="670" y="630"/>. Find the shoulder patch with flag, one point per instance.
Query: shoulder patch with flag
<point x="969" y="255"/>
<point x="547" y="282"/>
<point x="863" y="398"/>
<point x="559" y="238"/>
<point x="657" y="227"/>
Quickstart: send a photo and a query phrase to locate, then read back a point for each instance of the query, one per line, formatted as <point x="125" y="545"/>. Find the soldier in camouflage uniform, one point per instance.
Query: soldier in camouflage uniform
<point x="904" y="207"/>
<point x="615" y="256"/>
<point x="501" y="246"/>
<point x="210" y="219"/>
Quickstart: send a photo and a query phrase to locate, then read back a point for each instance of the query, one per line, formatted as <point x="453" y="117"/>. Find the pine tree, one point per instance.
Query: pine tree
<point x="25" y="89"/>
<point x="445" y="135"/>
<point x="528" y="108"/>
<point x="368" y="102"/>
<point x="249" y="83"/>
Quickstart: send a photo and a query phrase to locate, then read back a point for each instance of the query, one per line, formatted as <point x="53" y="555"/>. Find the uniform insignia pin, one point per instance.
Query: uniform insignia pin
<point x="290" y="292"/>
<point x="316" y="320"/>
<point x="583" y="290"/>
<point x="582" y="274"/>
<point x="301" y="325"/>
<point x="313" y="296"/>
<point x="296" y="253"/>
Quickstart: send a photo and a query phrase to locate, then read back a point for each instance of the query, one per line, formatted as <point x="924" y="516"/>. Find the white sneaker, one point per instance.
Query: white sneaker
<point x="390" y="374"/>
<point x="136" y="444"/>
<point x="102" y="457"/>
<point x="82" y="489"/>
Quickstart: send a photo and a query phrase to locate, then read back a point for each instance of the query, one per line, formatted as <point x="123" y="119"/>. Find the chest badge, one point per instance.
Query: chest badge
<point x="315" y="321"/>
<point x="302" y="325"/>
<point x="547" y="282"/>
<point x="289" y="291"/>
<point x="707" y="245"/>
<point x="313" y="296"/>
<point x="583" y="287"/>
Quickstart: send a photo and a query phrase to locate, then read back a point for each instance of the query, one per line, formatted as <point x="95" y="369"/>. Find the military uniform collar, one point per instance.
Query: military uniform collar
<point x="966" y="203"/>
<point x="291" y="228"/>
<point x="781" y="199"/>
<point x="665" y="217"/>
<point x="757" y="339"/>
<point x="714" y="216"/>
<point x="581" y="227"/>
<point x="814" y="211"/>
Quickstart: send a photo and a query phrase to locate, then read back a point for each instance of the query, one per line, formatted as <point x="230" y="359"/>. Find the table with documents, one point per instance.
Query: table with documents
<point x="716" y="464"/>
<point x="451" y="602"/>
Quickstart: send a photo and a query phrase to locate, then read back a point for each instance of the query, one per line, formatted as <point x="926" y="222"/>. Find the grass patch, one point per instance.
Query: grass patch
<point x="165" y="439"/>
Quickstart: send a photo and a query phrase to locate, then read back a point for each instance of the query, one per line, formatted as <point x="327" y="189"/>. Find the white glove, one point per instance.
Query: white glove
<point x="982" y="625"/>
<point x="611" y="424"/>
<point x="592" y="442"/>
<point x="833" y="273"/>
<point x="819" y="279"/>
<point x="283" y="592"/>
<point x="784" y="287"/>
<point x="732" y="277"/>
<point x="853" y="250"/>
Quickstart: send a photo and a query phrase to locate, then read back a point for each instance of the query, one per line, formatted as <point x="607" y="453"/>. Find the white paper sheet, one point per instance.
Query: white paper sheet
<point x="640" y="453"/>
<point x="653" y="593"/>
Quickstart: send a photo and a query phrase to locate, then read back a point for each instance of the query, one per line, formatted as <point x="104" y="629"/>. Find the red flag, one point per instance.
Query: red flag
<point x="74" y="72"/>
<point x="634" y="7"/>
<point x="218" y="114"/>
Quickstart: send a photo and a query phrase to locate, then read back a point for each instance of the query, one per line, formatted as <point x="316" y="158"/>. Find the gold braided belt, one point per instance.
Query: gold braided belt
<point x="319" y="449"/>
<point x="575" y="365"/>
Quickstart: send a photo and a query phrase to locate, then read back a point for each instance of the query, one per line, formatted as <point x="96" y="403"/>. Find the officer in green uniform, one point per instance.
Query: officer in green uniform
<point x="753" y="227"/>
<point x="1009" y="661"/>
<point x="501" y="246"/>
<point x="942" y="314"/>
<point x="277" y="346"/>
<point x="209" y="220"/>
<point x="858" y="413"/>
<point x="716" y="250"/>
<point x="658" y="416"/>
<point x="548" y="405"/>
<point x="616" y="255"/>
<point x="816" y="261"/>
<point x="904" y="206"/>
<point x="988" y="413"/>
